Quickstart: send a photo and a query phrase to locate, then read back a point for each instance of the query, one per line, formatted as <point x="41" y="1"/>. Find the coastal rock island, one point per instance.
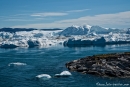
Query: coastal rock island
<point x="105" y="65"/>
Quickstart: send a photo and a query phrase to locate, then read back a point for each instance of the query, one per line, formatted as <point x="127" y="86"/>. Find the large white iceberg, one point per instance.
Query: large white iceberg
<point x="29" y="39"/>
<point x="72" y="36"/>
<point x="98" y="39"/>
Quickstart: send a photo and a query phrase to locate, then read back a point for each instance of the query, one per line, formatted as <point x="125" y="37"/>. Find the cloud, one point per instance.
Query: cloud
<point x="16" y="17"/>
<point x="118" y="20"/>
<point x="47" y="14"/>
<point x="20" y="15"/>
<point x="18" y="20"/>
<point x="82" y="10"/>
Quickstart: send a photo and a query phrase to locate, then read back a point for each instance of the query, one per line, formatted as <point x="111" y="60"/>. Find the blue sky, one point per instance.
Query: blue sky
<point x="64" y="13"/>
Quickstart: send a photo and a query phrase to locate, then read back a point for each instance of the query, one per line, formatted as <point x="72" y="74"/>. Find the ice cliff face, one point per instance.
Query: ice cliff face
<point x="98" y="39"/>
<point x="29" y="39"/>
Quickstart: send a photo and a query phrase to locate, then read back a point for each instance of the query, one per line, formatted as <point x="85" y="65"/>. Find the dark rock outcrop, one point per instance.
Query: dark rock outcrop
<point x="106" y="65"/>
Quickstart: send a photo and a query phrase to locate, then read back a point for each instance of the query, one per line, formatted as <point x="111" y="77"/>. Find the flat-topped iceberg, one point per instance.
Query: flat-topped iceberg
<point x="100" y="39"/>
<point x="29" y="39"/>
<point x="80" y="42"/>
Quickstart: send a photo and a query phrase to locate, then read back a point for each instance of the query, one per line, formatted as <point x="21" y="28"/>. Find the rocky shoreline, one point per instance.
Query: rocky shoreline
<point x="106" y="65"/>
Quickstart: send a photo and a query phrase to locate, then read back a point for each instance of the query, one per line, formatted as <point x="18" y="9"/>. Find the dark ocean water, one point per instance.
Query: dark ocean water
<point x="52" y="61"/>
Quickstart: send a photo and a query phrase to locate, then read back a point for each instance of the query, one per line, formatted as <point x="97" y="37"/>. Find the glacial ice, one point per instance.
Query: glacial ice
<point x="63" y="74"/>
<point x="17" y="64"/>
<point x="43" y="76"/>
<point x="71" y="36"/>
<point x="29" y="39"/>
<point x="98" y="39"/>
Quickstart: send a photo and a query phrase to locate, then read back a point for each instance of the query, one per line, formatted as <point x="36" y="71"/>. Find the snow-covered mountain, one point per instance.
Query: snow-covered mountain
<point x="76" y="30"/>
<point x="79" y="35"/>
<point x="87" y="29"/>
<point x="13" y="30"/>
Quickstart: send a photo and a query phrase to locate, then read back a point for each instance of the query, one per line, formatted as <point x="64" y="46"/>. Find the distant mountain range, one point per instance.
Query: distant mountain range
<point x="13" y="30"/>
<point x="73" y="30"/>
<point x="87" y="29"/>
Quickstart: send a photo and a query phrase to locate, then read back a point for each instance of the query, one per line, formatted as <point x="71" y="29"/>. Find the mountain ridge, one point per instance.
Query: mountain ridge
<point x="87" y="29"/>
<point x="13" y="30"/>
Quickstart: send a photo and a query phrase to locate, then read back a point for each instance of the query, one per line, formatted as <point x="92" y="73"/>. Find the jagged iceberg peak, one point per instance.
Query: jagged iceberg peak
<point x="87" y="26"/>
<point x="76" y="30"/>
<point x="75" y="26"/>
<point x="82" y="27"/>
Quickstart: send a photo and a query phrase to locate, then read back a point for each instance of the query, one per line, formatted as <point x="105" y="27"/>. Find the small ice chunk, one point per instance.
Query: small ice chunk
<point x="17" y="64"/>
<point x="63" y="74"/>
<point x="43" y="76"/>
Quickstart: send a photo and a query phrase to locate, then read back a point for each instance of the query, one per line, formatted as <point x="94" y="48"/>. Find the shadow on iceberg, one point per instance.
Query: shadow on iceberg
<point x="32" y="43"/>
<point x="8" y="46"/>
<point x="85" y="43"/>
<point x="96" y="42"/>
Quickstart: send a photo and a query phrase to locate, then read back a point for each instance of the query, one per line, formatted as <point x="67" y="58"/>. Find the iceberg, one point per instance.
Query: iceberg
<point x="97" y="39"/>
<point x="17" y="64"/>
<point x="100" y="41"/>
<point x="29" y="39"/>
<point x="87" y="29"/>
<point x="72" y="36"/>
<point x="128" y="32"/>
<point x="33" y="43"/>
<point x="75" y="30"/>
<point x="43" y="76"/>
<point x="81" y="42"/>
<point x="63" y="74"/>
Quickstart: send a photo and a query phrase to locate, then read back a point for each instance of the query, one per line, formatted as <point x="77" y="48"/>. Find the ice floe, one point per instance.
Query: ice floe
<point x="63" y="74"/>
<point x="17" y="64"/>
<point x="43" y="76"/>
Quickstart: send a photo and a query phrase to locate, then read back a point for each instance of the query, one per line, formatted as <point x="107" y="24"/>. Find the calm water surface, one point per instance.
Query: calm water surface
<point x="52" y="61"/>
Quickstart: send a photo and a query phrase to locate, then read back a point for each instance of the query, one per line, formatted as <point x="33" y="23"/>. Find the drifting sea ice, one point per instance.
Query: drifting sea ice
<point x="17" y="64"/>
<point x="43" y="76"/>
<point x="63" y="74"/>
